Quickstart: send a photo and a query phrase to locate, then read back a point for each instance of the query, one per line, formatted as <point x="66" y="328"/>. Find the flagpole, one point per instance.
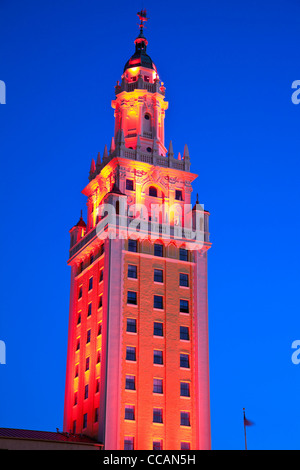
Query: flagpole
<point x="245" y="430"/>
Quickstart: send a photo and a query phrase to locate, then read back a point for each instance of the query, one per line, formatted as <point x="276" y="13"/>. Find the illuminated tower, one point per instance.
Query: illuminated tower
<point x="137" y="364"/>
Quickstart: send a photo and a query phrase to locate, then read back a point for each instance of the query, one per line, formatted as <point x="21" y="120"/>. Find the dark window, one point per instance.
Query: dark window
<point x="158" y="249"/>
<point x="89" y="310"/>
<point x="100" y="301"/>
<point x="157" y="415"/>
<point x="84" y="420"/>
<point x="184" y="280"/>
<point x="132" y="245"/>
<point x="87" y="363"/>
<point x="75" y="398"/>
<point x="157" y="445"/>
<point x="80" y="293"/>
<point x="184" y="306"/>
<point x="184" y="333"/>
<point x="129" y="185"/>
<point x="185" y="418"/>
<point x="76" y="371"/>
<point x="88" y="336"/>
<point x="152" y="190"/>
<point x="185" y="446"/>
<point x="102" y="249"/>
<point x="128" y="443"/>
<point x="131" y="325"/>
<point x="183" y="254"/>
<point x="158" y="275"/>
<point x="158" y="329"/>
<point x="98" y="357"/>
<point x="178" y="195"/>
<point x="129" y="412"/>
<point x="99" y="329"/>
<point x="130" y="382"/>
<point x="149" y="149"/>
<point x="147" y="116"/>
<point x="157" y="357"/>
<point x="90" y="283"/>
<point x="79" y="319"/>
<point x="184" y="389"/>
<point x="91" y="259"/>
<point x="158" y="302"/>
<point x="86" y="392"/>
<point x="96" y="415"/>
<point x="97" y="386"/>
<point x="132" y="271"/>
<point x="157" y="386"/>
<point x="130" y="353"/>
<point x="78" y="345"/>
<point x="101" y="275"/>
<point x="184" y="361"/>
<point x="131" y="297"/>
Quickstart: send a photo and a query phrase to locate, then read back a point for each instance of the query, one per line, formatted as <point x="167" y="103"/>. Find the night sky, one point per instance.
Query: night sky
<point x="228" y="69"/>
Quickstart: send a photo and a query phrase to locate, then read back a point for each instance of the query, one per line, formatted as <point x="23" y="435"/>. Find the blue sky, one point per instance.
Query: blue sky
<point x="228" y="68"/>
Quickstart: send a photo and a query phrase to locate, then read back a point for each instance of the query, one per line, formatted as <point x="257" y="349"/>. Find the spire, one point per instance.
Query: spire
<point x="186" y="154"/>
<point x="92" y="169"/>
<point x="105" y="153"/>
<point x="98" y="164"/>
<point x="112" y="145"/>
<point x="171" y="151"/>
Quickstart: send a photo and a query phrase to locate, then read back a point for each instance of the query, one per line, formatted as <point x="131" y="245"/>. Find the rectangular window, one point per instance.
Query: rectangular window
<point x="157" y="445"/>
<point x="76" y="371"/>
<point x="178" y="195"/>
<point x="88" y="336"/>
<point x="84" y="425"/>
<point x="185" y="446"/>
<point x="184" y="333"/>
<point x="158" y="249"/>
<point x="130" y="353"/>
<point x="79" y="318"/>
<point x="100" y="301"/>
<point x="89" y="310"/>
<point x="90" y="283"/>
<point x="129" y="185"/>
<point x="158" y="329"/>
<point x="78" y="345"/>
<point x="99" y="329"/>
<point x="183" y="254"/>
<point x="184" y="389"/>
<point x="101" y="275"/>
<point x="157" y="415"/>
<point x="130" y="382"/>
<point x="157" y="357"/>
<point x="129" y="412"/>
<point x="80" y="292"/>
<point x="96" y="415"/>
<point x="157" y="386"/>
<point x="131" y="325"/>
<point x="132" y="271"/>
<point x="158" y="302"/>
<point x="128" y="443"/>
<point x="98" y="357"/>
<point x="97" y="386"/>
<point x="184" y="306"/>
<point x="184" y="361"/>
<point x="87" y="363"/>
<point x="132" y="245"/>
<point x="158" y="275"/>
<point x="183" y="280"/>
<point x="185" y="418"/>
<point x="86" y="391"/>
<point x="75" y="398"/>
<point x="131" y="297"/>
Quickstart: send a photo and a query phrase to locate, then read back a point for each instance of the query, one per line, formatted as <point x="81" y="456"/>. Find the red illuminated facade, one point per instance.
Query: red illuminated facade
<point x="137" y="365"/>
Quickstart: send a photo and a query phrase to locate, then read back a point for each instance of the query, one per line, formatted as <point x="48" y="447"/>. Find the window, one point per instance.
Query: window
<point x="76" y="371"/>
<point x="102" y="249"/>
<point x="152" y="190"/>
<point x="157" y="445"/>
<point x="129" y="412"/>
<point x="184" y="389"/>
<point x="149" y="150"/>
<point x="89" y="310"/>
<point x="78" y="345"/>
<point x="183" y="254"/>
<point x="158" y="329"/>
<point x="131" y="325"/>
<point x="184" y="306"/>
<point x="130" y="353"/>
<point x="128" y="443"/>
<point x="80" y="292"/>
<point x="157" y="386"/>
<point x="87" y="363"/>
<point x="185" y="418"/>
<point x="158" y="302"/>
<point x="132" y="245"/>
<point x="157" y="357"/>
<point x="88" y="336"/>
<point x="79" y="319"/>
<point x="178" y="195"/>
<point x="101" y="275"/>
<point x="185" y="446"/>
<point x="158" y="249"/>
<point x="84" y="425"/>
<point x="129" y="185"/>
<point x="184" y="361"/>
<point x="97" y="386"/>
<point x="147" y="116"/>
<point x="98" y="357"/>
<point x="74" y="426"/>
<point x="130" y="382"/>
<point x="158" y="275"/>
<point x="131" y="297"/>
<point x="183" y="280"/>
<point x="91" y="259"/>
<point x="75" y="398"/>
<point x="86" y="392"/>
<point x="90" y="283"/>
<point x="132" y="271"/>
<point x="99" y="329"/>
<point x="96" y="415"/>
<point x="157" y="415"/>
<point x="184" y="333"/>
<point x="100" y="301"/>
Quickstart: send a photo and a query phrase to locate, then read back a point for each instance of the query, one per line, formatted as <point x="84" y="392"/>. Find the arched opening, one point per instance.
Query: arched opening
<point x="152" y="191"/>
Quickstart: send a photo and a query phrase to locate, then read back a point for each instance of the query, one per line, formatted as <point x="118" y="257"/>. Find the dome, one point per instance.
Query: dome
<point x="140" y="58"/>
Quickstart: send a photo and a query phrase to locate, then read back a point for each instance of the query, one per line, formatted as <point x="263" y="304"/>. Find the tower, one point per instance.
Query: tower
<point x="137" y="362"/>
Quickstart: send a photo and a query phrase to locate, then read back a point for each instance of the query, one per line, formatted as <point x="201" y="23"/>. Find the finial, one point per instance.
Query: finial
<point x="186" y="154"/>
<point x="142" y="17"/>
<point x="170" y="152"/>
<point x="179" y="156"/>
<point x="197" y="200"/>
